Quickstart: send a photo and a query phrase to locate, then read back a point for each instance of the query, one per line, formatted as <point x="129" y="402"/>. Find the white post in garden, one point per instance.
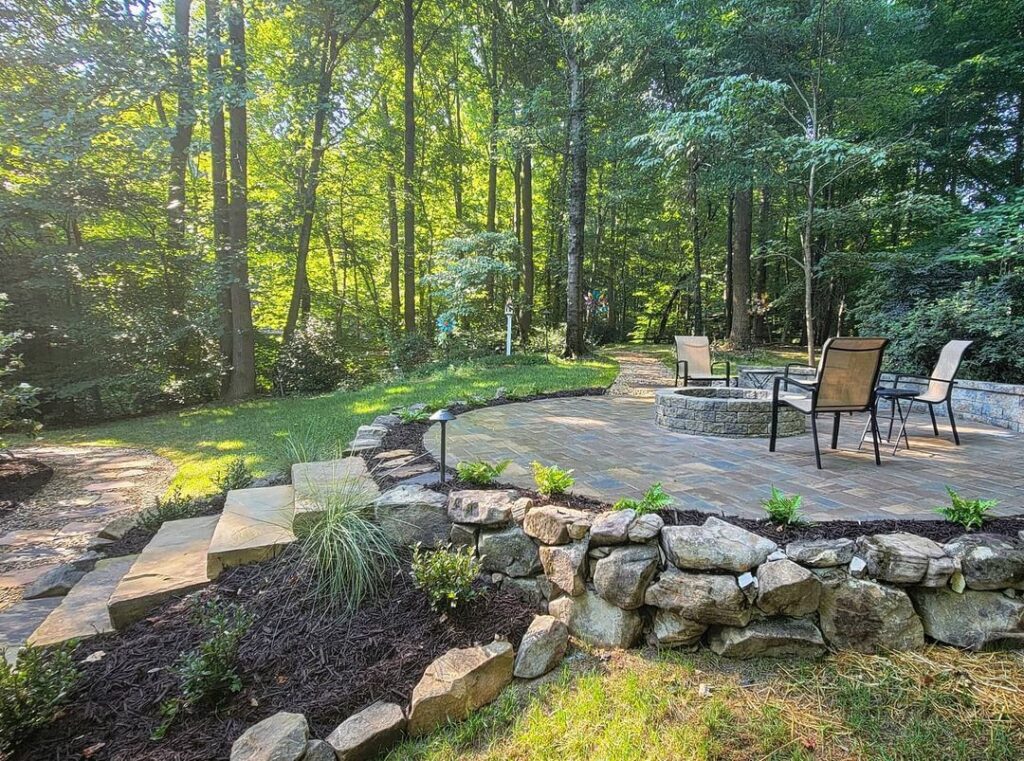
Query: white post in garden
<point x="508" y="327"/>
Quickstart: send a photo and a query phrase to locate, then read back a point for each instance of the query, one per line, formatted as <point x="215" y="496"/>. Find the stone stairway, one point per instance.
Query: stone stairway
<point x="185" y="555"/>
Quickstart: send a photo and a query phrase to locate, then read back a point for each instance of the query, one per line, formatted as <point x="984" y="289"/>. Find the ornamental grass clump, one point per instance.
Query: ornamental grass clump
<point x="313" y="443"/>
<point x="783" y="509"/>
<point x="480" y="473"/>
<point x="32" y="690"/>
<point x="969" y="513"/>
<point x="654" y="499"/>
<point x="551" y="480"/>
<point x="346" y="554"/>
<point x="446" y="575"/>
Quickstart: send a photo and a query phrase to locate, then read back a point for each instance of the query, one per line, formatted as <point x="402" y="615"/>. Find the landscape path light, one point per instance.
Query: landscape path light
<point x="443" y="416"/>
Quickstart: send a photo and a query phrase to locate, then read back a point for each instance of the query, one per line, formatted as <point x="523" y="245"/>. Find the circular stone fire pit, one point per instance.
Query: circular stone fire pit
<point x="726" y="412"/>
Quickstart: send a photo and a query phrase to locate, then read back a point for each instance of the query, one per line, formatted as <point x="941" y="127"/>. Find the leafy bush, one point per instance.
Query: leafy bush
<point x="782" y="509"/>
<point x="18" y="403"/>
<point x="312" y="361"/>
<point x="171" y="508"/>
<point x="654" y="499"/>
<point x="237" y="475"/>
<point x="413" y="414"/>
<point x="969" y="513"/>
<point x="446" y="575"/>
<point x="32" y="690"/>
<point x="480" y="473"/>
<point x="410" y="351"/>
<point x="551" y="480"/>
<point x="347" y="555"/>
<point x="209" y="674"/>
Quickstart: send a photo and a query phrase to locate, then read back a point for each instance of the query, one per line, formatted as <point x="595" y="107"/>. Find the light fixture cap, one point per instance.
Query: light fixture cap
<point x="442" y="416"/>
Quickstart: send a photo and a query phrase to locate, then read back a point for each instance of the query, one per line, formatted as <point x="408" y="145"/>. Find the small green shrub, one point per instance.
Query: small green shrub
<point x="969" y="513"/>
<point x="236" y="475"/>
<point x="654" y="499"/>
<point x="783" y="509"/>
<point x="412" y="414"/>
<point x="347" y="555"/>
<point x="32" y="690"/>
<point x="208" y="674"/>
<point x="173" y="507"/>
<point x="446" y="575"/>
<point x="551" y="480"/>
<point x="480" y="473"/>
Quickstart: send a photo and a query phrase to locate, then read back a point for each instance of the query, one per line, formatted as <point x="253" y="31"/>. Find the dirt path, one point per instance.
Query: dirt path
<point x="640" y="373"/>
<point x="91" y="486"/>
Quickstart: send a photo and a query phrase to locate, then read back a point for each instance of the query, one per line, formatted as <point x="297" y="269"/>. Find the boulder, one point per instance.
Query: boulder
<point x="564" y="566"/>
<point x="596" y="621"/>
<point x="509" y="551"/>
<point x="975" y="620"/>
<point x="542" y="648"/>
<point x="623" y="576"/>
<point x="715" y="546"/>
<point x="669" y="629"/>
<point x="413" y="515"/>
<point x="989" y="561"/>
<point x="520" y="508"/>
<point x="905" y="559"/>
<point x="611" y="527"/>
<point x="318" y="750"/>
<point x="769" y="638"/>
<point x="481" y="507"/>
<point x="703" y="597"/>
<point x="528" y="590"/>
<point x="281" y="737"/>
<point x="645" y="528"/>
<point x="867" y="616"/>
<point x="55" y="582"/>
<point x="366" y="734"/>
<point x="549" y="524"/>
<point x="459" y="682"/>
<point x="463" y="536"/>
<point x="787" y="589"/>
<point x="821" y="553"/>
<point x="580" y="528"/>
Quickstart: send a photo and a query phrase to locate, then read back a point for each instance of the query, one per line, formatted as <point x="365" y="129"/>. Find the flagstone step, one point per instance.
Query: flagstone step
<point x="83" y="612"/>
<point x="314" y="482"/>
<point x="172" y="564"/>
<point x="256" y="525"/>
<point x="18" y="621"/>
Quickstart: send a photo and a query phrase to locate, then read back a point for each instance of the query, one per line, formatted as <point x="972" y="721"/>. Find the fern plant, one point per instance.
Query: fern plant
<point x="654" y="499"/>
<point x="783" y="509"/>
<point x="551" y="480"/>
<point x="480" y="473"/>
<point x="969" y="513"/>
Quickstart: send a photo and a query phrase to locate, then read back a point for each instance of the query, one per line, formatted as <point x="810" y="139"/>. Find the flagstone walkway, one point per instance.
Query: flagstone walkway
<point x="640" y="373"/>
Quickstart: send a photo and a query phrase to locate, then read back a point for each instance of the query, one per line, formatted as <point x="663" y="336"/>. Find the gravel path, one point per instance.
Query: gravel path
<point x="640" y="373"/>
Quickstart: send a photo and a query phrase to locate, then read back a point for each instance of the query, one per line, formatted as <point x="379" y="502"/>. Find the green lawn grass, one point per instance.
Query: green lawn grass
<point x="941" y="703"/>
<point x="202" y="441"/>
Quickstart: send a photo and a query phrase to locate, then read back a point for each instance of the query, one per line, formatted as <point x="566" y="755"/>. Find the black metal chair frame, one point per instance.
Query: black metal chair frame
<point x="947" y="400"/>
<point x="686" y="372"/>
<point x="813" y="388"/>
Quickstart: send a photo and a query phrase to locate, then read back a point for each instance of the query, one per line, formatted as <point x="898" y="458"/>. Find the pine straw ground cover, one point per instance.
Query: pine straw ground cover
<point x="936" y="704"/>
<point x="294" y="657"/>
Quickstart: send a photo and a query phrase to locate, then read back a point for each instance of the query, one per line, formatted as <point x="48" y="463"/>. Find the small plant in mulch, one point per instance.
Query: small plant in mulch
<point x="480" y="473"/>
<point x="209" y="674"/>
<point x="237" y="475"/>
<point x="654" y="500"/>
<point x="32" y="690"/>
<point x="551" y="480"/>
<point x="969" y="513"/>
<point x="784" y="509"/>
<point x="173" y="507"/>
<point x="446" y="574"/>
<point x="412" y="414"/>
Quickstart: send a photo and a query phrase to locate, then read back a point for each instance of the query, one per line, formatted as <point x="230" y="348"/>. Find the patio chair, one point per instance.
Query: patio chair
<point x="847" y="380"/>
<point x="940" y="386"/>
<point x="693" y="354"/>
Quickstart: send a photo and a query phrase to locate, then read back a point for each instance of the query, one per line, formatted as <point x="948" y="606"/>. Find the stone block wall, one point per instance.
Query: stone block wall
<point x="998" y="404"/>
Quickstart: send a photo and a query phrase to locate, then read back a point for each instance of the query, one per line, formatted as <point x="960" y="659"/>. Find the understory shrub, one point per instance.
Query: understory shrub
<point x="654" y="499"/>
<point x="208" y="674"/>
<point x="480" y="473"/>
<point x="551" y="480"/>
<point x="237" y="475"/>
<point x="969" y="513"/>
<point x="32" y="690"/>
<point x="173" y="507"/>
<point x="347" y="554"/>
<point x="446" y="574"/>
<point x="410" y="351"/>
<point x="18" y="403"/>
<point x="313" y="360"/>
<point x="412" y="414"/>
<point x="783" y="509"/>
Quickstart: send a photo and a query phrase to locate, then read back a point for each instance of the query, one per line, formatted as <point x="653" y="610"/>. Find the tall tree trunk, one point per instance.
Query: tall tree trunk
<point x="409" y="166"/>
<point x="807" y="244"/>
<point x="695" y="238"/>
<point x="395" y="275"/>
<point x="457" y="177"/>
<point x="739" y="331"/>
<point x="526" y="313"/>
<point x="761" y="280"/>
<point x="243" y="370"/>
<point x="729" y="250"/>
<point x="219" y="172"/>
<point x="492" y="147"/>
<point x="184" y="122"/>
<point x="577" y="198"/>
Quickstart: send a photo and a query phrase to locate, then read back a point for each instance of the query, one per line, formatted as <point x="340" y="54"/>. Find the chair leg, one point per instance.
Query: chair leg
<point x="935" y="426"/>
<point x="775" y="426"/>
<point x="892" y="416"/>
<point x="676" y="384"/>
<point x="835" y="430"/>
<point x="875" y="436"/>
<point x="952" y="423"/>
<point x="814" y="435"/>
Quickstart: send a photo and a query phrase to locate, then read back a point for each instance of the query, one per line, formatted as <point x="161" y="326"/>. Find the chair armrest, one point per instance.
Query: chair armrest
<point x="805" y="386"/>
<point x="787" y="379"/>
<point x="721" y="362"/>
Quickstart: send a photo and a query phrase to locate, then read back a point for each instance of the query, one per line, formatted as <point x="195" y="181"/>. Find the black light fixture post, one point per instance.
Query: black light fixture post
<point x="442" y="416"/>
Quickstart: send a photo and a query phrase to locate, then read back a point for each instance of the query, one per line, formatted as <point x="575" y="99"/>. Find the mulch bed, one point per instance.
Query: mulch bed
<point x="410" y="436"/>
<point x="293" y="658"/>
<point x="21" y="477"/>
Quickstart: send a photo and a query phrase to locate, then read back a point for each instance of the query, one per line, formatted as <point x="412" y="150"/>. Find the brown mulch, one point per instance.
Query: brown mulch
<point x="293" y="658"/>
<point x="21" y="477"/>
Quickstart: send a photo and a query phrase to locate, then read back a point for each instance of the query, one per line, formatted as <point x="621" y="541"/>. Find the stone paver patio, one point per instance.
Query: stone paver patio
<point x="616" y="450"/>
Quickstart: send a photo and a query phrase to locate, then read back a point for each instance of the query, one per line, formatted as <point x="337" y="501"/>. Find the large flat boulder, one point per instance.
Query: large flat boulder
<point x="366" y="734"/>
<point x="611" y="527"/>
<point x="905" y="559"/>
<point x="542" y="648"/>
<point x="715" y="546"/>
<point x="867" y="616"/>
<point x="976" y="620"/>
<point x="509" y="551"/>
<point x="703" y="597"/>
<point x="645" y="528"/>
<point x="622" y="577"/>
<point x="413" y="515"/>
<point x="597" y="621"/>
<point x="565" y="566"/>
<point x="989" y="561"/>
<point x="281" y="737"/>
<point x="554" y="524"/>
<point x="256" y="525"/>
<point x="669" y="629"/>
<point x="787" y="589"/>
<point x="821" y="553"/>
<point x="481" y="507"/>
<point x="459" y="682"/>
<point x="769" y="638"/>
